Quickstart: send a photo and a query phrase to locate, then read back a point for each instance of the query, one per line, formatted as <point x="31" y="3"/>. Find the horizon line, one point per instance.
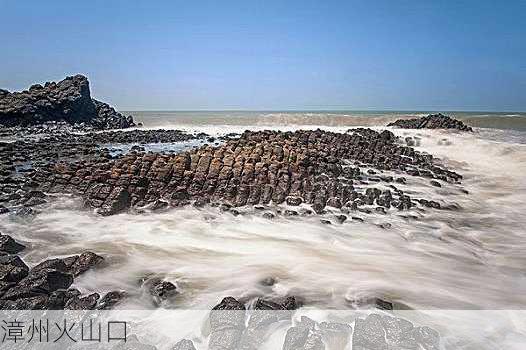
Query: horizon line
<point x="327" y="110"/>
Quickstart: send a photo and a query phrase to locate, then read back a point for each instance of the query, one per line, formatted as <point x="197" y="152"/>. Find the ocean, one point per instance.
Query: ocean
<point x="491" y="120"/>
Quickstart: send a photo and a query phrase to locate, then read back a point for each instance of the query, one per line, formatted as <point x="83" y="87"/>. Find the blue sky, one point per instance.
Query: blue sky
<point x="186" y="55"/>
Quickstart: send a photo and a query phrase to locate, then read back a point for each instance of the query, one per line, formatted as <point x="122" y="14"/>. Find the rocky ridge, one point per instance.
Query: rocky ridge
<point x="432" y="121"/>
<point x="318" y="168"/>
<point x="68" y="100"/>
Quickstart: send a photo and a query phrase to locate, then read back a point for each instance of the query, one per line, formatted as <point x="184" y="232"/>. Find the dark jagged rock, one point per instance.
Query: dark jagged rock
<point x="12" y="269"/>
<point x="83" y="262"/>
<point x="310" y="167"/>
<point x="161" y="289"/>
<point x="140" y="136"/>
<point x="432" y="121"/>
<point x="287" y="303"/>
<point x="229" y="303"/>
<point x="56" y="264"/>
<point x="110" y="300"/>
<point x="88" y="302"/>
<point x="68" y="100"/>
<point x="45" y="285"/>
<point x="9" y="245"/>
<point x="118" y="200"/>
<point x="74" y="265"/>
<point x="39" y="302"/>
<point x="42" y="281"/>
<point x="57" y="300"/>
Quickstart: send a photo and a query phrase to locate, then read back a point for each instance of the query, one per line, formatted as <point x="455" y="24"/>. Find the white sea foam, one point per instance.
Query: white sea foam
<point x="468" y="259"/>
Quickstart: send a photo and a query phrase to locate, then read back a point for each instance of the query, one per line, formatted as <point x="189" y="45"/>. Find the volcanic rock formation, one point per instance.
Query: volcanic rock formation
<point x="432" y="121"/>
<point x="68" y="100"/>
<point x="313" y="167"/>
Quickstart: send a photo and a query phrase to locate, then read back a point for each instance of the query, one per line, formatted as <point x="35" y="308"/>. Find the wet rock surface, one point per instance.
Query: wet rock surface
<point x="432" y="121"/>
<point x="68" y="100"/>
<point x="143" y="136"/>
<point x="9" y="245"/>
<point x="45" y="286"/>
<point x="20" y="159"/>
<point x="318" y="168"/>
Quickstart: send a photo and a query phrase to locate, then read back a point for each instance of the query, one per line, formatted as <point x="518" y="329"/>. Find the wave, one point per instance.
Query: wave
<point x="515" y="121"/>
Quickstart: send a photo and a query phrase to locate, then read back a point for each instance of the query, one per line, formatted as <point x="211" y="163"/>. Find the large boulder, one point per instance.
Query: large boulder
<point x="9" y="245"/>
<point x="44" y="281"/>
<point x="68" y="100"/>
<point x="74" y="265"/>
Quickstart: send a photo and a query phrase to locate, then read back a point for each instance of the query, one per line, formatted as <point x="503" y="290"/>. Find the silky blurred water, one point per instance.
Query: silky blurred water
<point x="470" y="259"/>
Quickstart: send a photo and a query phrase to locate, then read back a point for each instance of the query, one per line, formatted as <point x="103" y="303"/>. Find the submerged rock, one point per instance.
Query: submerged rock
<point x="161" y="289"/>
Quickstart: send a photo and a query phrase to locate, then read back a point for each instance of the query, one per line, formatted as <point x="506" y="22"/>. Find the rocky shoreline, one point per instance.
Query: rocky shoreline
<point x="337" y="176"/>
<point x="54" y="148"/>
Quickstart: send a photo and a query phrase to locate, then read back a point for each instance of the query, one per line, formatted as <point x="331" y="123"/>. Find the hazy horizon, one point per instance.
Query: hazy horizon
<point x="327" y="110"/>
<point x="274" y="55"/>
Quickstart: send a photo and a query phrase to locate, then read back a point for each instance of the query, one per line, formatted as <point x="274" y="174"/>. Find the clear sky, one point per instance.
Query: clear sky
<point x="187" y="55"/>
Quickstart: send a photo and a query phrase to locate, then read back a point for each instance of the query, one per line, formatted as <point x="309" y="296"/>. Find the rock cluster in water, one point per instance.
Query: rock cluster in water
<point x="432" y="121"/>
<point x="46" y="286"/>
<point x="68" y="100"/>
<point x="19" y="159"/>
<point x="318" y="168"/>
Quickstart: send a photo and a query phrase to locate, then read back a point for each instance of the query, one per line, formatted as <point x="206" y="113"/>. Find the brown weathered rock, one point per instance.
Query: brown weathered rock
<point x="312" y="167"/>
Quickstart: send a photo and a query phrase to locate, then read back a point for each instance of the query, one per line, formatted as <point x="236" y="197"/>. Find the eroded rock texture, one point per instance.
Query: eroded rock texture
<point x="432" y="121"/>
<point x="314" y="167"/>
<point x="47" y="285"/>
<point x="68" y="100"/>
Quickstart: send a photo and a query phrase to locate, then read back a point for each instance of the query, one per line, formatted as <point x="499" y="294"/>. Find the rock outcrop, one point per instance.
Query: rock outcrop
<point x="432" y="121"/>
<point x="47" y="285"/>
<point x="313" y="167"/>
<point x="68" y="100"/>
